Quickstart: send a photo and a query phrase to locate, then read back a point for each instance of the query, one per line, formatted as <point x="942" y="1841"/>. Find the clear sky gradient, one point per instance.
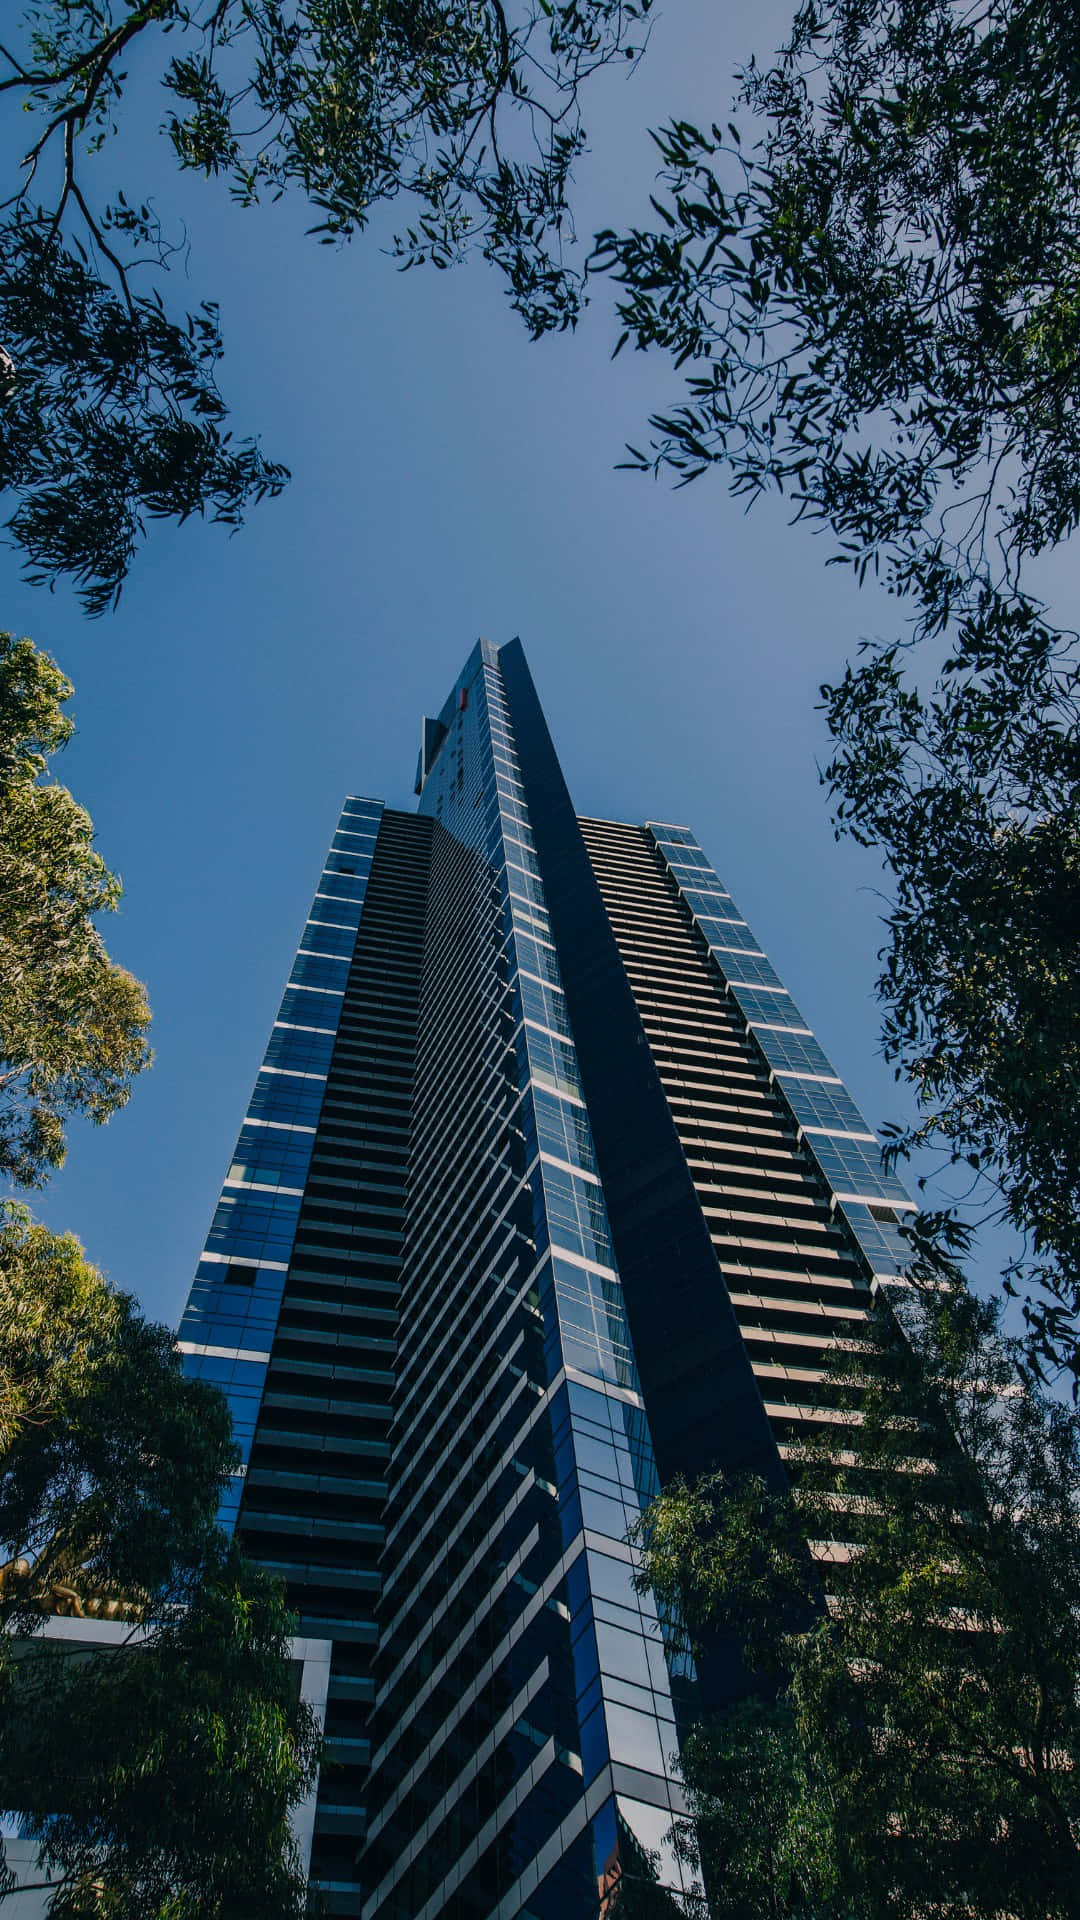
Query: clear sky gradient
<point x="450" y="480"/>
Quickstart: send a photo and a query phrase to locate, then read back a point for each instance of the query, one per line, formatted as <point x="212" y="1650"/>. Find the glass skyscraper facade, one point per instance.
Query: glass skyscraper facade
<point x="546" y="1193"/>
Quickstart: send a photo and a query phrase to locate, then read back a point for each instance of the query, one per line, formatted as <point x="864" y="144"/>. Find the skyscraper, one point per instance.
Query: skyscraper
<point x="545" y="1194"/>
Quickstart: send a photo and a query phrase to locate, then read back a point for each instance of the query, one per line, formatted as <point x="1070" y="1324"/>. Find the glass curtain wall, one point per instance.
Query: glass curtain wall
<point x="525" y="1725"/>
<point x="445" y="1216"/>
<point x="232" y="1311"/>
<point x="323" y="1153"/>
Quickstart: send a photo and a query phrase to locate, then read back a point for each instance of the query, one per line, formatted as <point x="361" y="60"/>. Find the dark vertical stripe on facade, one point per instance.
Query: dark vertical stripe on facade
<point x="704" y="1405"/>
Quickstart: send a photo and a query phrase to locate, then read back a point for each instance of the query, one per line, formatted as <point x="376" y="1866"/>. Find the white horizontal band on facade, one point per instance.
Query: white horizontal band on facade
<point x="541" y="980"/>
<point x="542" y="939"/>
<point x="771" y="1026"/>
<point x="537" y="1026"/>
<point x="820" y="1079"/>
<point x="878" y="1200"/>
<point x="606" y="1387"/>
<point x="535" y="923"/>
<point x="258" y="1186"/>
<point x="293" y="1073"/>
<point x="840" y="1133"/>
<point x="589" y="1266"/>
<point x="548" y="1084"/>
<point x="223" y="1353"/>
<point x="567" y="1166"/>
<point x="226" y="1259"/>
<point x="281" y="1126"/>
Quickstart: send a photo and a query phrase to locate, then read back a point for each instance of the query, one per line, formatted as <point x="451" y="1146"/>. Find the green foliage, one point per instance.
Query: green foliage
<point x="897" y="250"/>
<point x="876" y="308"/>
<point x="926" y="1733"/>
<point x="761" y="1817"/>
<point x="175" y="1763"/>
<point x="977" y="813"/>
<point x="110" y="414"/>
<point x="467" y="112"/>
<point x="946" y="1701"/>
<point x="72" y="1023"/>
<point x="156" y="1778"/>
<point x="759" y="1822"/>
<point x="712" y="1558"/>
<point x="113" y="1460"/>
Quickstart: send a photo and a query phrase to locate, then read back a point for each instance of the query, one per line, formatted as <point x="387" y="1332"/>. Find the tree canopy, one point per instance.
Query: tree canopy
<point x="72" y="1023"/>
<point x="467" y="112"/>
<point x="870" y="288"/>
<point x="910" y="1616"/>
<point x="868" y="282"/>
<point x="113" y="1460"/>
<point x="158" y="1778"/>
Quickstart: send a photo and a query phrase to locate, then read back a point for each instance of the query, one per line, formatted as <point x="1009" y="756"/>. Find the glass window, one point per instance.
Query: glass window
<point x="815" y="1104"/>
<point x="342" y="883"/>
<point x="671" y="836"/>
<point x="299" y="1050"/>
<point x="729" y="936"/>
<point x="260" y="1226"/>
<point x="563" y="1128"/>
<point x="576" y="1216"/>
<point x="748" y="969"/>
<point x="544" y="1054"/>
<point x="284" y="1096"/>
<point x="612" y="1579"/>
<point x="537" y="958"/>
<point x="337" y="912"/>
<point x="544" y="1004"/>
<point x="773" y="1008"/>
<point x="705" y="895"/>
<point x="622" y="1653"/>
<point x="320" y="970"/>
<point x="796" y="1052"/>
<point x="271" y="1156"/>
<point x="307" y="1007"/>
<point x="854" y="1166"/>
<point x="634" y="1738"/>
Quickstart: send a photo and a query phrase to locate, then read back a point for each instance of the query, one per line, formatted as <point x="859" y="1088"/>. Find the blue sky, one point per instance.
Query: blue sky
<point x="450" y="480"/>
